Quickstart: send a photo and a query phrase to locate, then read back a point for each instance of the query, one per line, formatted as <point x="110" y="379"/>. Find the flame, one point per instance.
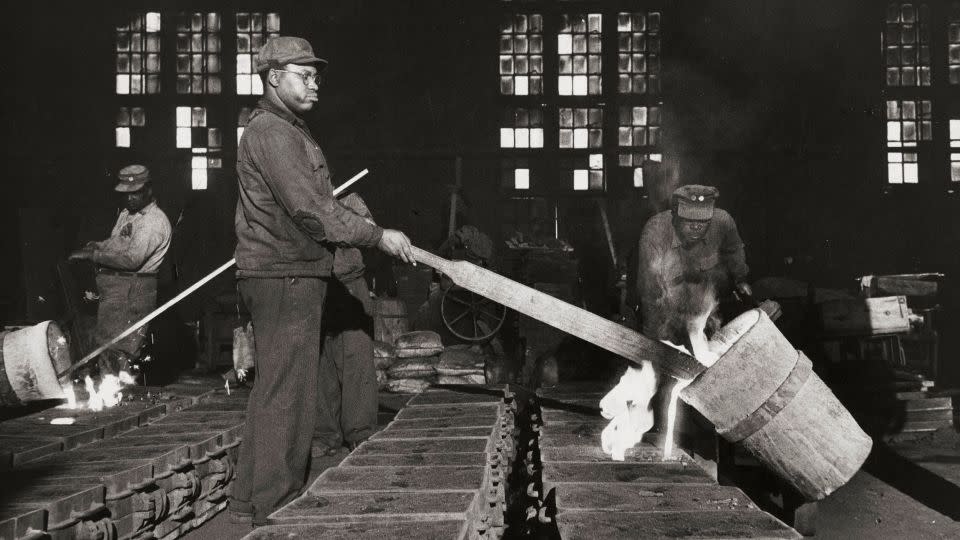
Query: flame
<point x="105" y="395"/>
<point x="628" y="405"/>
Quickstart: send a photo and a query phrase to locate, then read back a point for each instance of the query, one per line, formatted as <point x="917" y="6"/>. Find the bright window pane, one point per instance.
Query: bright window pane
<point x="895" y="173"/>
<point x="564" y="44"/>
<point x="522" y="86"/>
<point x="580" y="138"/>
<point x="893" y="131"/>
<point x="656" y="157"/>
<point x="123" y="84"/>
<point x="183" y="116"/>
<point x="506" y="138"/>
<point x="536" y="138"/>
<point x="153" y="22"/>
<point x="521" y="179"/>
<point x="565" y="85"/>
<point x="522" y="138"/>
<point x="123" y="137"/>
<point x="596" y="161"/>
<point x="580" y="85"/>
<point x="239" y="134"/>
<point x="198" y="162"/>
<point x="955" y="130"/>
<point x="637" y="177"/>
<point x="580" y="180"/>
<point x="183" y="137"/>
<point x="199" y="178"/>
<point x="243" y="63"/>
<point x="910" y="173"/>
<point x="243" y="85"/>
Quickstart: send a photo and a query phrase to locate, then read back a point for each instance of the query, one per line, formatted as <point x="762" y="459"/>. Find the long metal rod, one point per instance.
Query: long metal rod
<point x="65" y="376"/>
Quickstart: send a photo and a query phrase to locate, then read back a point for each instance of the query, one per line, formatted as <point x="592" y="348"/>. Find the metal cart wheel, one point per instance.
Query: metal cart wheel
<point x="469" y="316"/>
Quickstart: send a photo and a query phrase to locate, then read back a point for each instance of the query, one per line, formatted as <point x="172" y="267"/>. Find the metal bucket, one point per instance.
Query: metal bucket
<point x="30" y="359"/>
<point x="763" y="394"/>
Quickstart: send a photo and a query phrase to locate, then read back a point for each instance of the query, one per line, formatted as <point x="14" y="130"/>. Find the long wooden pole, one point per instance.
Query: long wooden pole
<point x="579" y="322"/>
<point x="66" y="374"/>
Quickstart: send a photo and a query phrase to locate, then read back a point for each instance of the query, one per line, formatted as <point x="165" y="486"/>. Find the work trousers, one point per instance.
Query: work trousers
<point x="124" y="300"/>
<point x="347" y="407"/>
<point x="281" y="411"/>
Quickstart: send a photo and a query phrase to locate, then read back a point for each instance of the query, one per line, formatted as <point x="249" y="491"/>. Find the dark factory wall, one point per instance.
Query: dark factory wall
<point x="777" y="103"/>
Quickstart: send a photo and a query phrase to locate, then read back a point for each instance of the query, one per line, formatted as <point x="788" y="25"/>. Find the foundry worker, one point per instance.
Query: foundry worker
<point x="126" y="268"/>
<point x="347" y="404"/>
<point x="689" y="257"/>
<point x="288" y="226"/>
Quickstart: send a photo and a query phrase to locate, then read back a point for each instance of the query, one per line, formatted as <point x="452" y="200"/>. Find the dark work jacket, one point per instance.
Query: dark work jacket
<point x="288" y="222"/>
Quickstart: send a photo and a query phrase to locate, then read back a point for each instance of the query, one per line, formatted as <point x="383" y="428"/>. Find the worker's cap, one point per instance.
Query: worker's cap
<point x="282" y="50"/>
<point x="695" y="202"/>
<point x="132" y="178"/>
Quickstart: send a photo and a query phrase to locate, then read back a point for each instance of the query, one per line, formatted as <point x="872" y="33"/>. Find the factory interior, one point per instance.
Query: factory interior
<point x="617" y="269"/>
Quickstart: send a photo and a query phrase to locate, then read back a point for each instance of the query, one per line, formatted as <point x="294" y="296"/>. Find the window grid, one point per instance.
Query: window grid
<point x="198" y="53"/>
<point x="906" y="43"/>
<point x="523" y="128"/>
<point x="521" y="54"/>
<point x="138" y="55"/>
<point x="204" y="141"/>
<point x="908" y="121"/>
<point x="586" y="173"/>
<point x="581" y="127"/>
<point x="638" y="53"/>
<point x="902" y="168"/>
<point x="953" y="44"/>
<point x="955" y="154"/>
<point x="253" y="29"/>
<point x="579" y="46"/>
<point x="127" y="119"/>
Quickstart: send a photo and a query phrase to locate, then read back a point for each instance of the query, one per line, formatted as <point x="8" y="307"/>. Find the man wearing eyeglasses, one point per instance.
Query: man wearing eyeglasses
<point x="288" y="226"/>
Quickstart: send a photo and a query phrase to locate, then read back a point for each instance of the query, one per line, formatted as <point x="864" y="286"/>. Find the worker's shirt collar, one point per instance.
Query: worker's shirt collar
<point x="268" y="105"/>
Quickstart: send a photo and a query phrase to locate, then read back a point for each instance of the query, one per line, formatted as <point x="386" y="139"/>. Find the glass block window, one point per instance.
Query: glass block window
<point x="638" y="53"/>
<point x="578" y="49"/>
<point x="521" y="55"/>
<point x="908" y="122"/>
<point x="522" y="128"/>
<point x="638" y="126"/>
<point x="242" y="118"/>
<point x="138" y="55"/>
<point x="516" y="174"/>
<point x="253" y="29"/>
<point x="902" y="168"/>
<point x="581" y="127"/>
<point x="955" y="155"/>
<point x="203" y="140"/>
<point x="586" y="172"/>
<point x="637" y="161"/>
<point x="198" y="53"/>
<point x="906" y="43"/>
<point x="127" y="119"/>
<point x="953" y="44"/>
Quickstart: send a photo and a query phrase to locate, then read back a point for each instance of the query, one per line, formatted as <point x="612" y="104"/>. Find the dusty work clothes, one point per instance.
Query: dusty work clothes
<point x="127" y="281"/>
<point x="287" y="220"/>
<point x="673" y="279"/>
<point x="281" y="410"/>
<point x="288" y="225"/>
<point x="347" y="405"/>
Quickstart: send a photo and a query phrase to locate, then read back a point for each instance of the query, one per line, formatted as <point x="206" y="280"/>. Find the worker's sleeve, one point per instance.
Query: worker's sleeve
<point x="293" y="176"/>
<point x="732" y="252"/>
<point x="129" y="252"/>
<point x="650" y="281"/>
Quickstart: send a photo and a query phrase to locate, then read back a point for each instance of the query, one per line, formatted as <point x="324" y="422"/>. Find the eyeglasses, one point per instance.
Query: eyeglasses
<point x="306" y="77"/>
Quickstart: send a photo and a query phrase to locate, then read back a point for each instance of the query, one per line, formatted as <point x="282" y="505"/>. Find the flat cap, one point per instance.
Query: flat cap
<point x="132" y="178"/>
<point x="695" y="201"/>
<point x="282" y="50"/>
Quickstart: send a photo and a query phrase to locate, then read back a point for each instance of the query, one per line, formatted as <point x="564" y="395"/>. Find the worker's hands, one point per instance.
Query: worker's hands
<point x="395" y="243"/>
<point x="86" y="252"/>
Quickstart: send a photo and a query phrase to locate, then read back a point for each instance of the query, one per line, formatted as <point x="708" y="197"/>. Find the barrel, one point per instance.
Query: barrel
<point x="30" y="359"/>
<point x="763" y="394"/>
